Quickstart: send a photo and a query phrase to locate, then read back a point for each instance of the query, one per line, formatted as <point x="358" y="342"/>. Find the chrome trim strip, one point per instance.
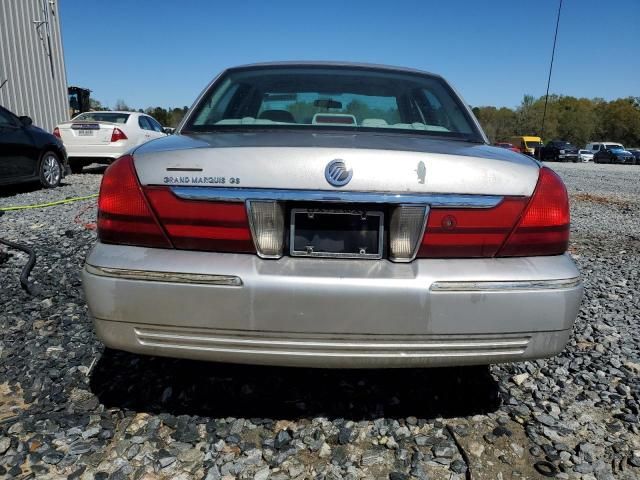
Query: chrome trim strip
<point x="505" y="286"/>
<point x="164" y="335"/>
<point x="170" y="277"/>
<point x="224" y="194"/>
<point x="302" y="353"/>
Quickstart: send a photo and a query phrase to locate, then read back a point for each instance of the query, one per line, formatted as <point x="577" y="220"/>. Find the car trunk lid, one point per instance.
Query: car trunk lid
<point x="379" y="163"/>
<point x="88" y="132"/>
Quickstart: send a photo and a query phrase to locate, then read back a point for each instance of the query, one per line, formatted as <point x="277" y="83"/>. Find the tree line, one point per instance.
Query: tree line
<point x="577" y="120"/>
<point x="168" y="117"/>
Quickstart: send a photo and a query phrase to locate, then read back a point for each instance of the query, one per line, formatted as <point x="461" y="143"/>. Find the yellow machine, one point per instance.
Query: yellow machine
<point x="527" y="145"/>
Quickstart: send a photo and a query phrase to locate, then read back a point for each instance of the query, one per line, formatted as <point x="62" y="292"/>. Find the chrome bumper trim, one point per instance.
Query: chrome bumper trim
<point x="170" y="277"/>
<point x="223" y="194"/>
<point x="505" y="286"/>
<point x="254" y="343"/>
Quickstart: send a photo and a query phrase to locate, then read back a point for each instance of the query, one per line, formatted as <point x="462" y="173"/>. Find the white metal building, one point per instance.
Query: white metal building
<point x="33" y="79"/>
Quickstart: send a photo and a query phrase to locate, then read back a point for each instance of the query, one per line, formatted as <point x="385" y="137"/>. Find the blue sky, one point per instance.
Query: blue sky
<point x="163" y="52"/>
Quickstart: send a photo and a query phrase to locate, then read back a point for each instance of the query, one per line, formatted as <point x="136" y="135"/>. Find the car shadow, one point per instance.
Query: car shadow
<point x="178" y="387"/>
<point x="95" y="169"/>
<point x="18" y="188"/>
<point x="14" y="189"/>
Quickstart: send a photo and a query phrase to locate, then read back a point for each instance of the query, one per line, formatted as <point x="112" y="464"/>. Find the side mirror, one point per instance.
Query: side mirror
<point x="168" y="130"/>
<point x="26" y="121"/>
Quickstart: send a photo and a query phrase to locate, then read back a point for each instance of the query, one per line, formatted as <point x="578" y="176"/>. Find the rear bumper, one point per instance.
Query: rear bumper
<point x="330" y="313"/>
<point x="112" y="151"/>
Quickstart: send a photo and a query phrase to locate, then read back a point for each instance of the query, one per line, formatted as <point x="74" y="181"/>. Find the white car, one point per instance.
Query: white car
<point x="101" y="137"/>
<point x="585" y="155"/>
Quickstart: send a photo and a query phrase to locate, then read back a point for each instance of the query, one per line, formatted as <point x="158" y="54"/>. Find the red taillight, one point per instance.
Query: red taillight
<point x="201" y="225"/>
<point x="117" y="134"/>
<point x="516" y="227"/>
<point x="544" y="226"/>
<point x="124" y="217"/>
<point x="56" y="132"/>
<point x="470" y="232"/>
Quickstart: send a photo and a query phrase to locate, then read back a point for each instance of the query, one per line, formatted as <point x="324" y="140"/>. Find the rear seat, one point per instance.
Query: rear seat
<point x="374" y="122"/>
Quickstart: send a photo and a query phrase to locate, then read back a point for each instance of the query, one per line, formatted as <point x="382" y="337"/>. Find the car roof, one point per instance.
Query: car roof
<point x="307" y="63"/>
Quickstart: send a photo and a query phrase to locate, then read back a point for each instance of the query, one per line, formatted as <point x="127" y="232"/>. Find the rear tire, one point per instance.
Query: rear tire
<point x="76" y="166"/>
<point x="50" y="170"/>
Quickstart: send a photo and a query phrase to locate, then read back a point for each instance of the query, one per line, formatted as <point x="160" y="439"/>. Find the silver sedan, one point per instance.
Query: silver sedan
<point x="332" y="215"/>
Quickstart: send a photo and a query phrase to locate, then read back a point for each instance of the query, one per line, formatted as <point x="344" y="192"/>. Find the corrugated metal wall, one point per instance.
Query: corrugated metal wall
<point x="32" y="86"/>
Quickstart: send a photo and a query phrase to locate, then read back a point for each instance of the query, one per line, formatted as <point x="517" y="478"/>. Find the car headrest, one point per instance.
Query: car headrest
<point x="277" y="116"/>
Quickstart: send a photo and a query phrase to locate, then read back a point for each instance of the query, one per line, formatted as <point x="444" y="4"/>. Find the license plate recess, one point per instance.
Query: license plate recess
<point x="336" y="233"/>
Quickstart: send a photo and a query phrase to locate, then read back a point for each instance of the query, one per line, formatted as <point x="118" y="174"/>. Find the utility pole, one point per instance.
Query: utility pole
<point x="553" y="53"/>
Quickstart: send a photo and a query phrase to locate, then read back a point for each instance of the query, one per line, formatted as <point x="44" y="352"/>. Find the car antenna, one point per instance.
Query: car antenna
<point x="553" y="53"/>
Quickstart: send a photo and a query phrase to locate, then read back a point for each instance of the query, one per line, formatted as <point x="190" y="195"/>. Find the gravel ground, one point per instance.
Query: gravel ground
<point x="70" y="409"/>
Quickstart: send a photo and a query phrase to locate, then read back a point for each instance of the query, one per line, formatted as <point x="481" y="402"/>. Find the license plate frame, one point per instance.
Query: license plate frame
<point x="371" y="221"/>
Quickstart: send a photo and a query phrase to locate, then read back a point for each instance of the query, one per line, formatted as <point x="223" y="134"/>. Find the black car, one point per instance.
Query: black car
<point x="28" y="153"/>
<point x="558" y="151"/>
<point x="636" y="154"/>
<point x="613" y="153"/>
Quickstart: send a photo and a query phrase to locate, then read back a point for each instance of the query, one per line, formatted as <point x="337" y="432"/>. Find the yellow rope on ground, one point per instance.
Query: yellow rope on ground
<point x="50" y="204"/>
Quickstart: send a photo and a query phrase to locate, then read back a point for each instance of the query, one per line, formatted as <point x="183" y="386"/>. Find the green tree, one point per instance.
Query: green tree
<point x="577" y="120"/>
<point x="96" y="105"/>
<point x="121" y="105"/>
<point x="159" y="113"/>
<point x="498" y="124"/>
<point x="619" y="121"/>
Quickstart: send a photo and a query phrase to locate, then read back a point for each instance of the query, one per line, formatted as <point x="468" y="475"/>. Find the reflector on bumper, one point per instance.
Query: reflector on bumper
<point x="406" y="231"/>
<point x="266" y="219"/>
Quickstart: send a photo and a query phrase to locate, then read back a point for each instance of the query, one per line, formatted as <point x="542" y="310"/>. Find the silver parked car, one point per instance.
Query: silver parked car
<point x="332" y="215"/>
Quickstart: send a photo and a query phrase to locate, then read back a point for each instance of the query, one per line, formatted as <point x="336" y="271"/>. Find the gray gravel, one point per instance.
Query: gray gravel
<point x="70" y="409"/>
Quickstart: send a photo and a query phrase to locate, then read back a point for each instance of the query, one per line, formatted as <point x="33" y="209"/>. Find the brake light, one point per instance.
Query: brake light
<point x="202" y="225"/>
<point x="117" y="134"/>
<point x="544" y="226"/>
<point x="56" y="132"/>
<point x="124" y="217"/>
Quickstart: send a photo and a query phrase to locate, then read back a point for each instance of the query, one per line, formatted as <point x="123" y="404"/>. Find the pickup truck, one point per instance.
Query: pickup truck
<point x="558" y="151"/>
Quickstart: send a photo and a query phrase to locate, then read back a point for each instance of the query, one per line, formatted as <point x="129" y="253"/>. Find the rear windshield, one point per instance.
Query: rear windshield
<point x="102" y="117"/>
<point x="332" y="98"/>
<point x="533" y="144"/>
<point x="613" y="146"/>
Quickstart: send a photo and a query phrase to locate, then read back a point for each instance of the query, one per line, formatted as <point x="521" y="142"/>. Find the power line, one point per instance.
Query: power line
<point x="553" y="53"/>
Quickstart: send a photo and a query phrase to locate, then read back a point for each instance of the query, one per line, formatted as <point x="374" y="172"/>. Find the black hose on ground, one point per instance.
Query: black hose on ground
<point x="26" y="270"/>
